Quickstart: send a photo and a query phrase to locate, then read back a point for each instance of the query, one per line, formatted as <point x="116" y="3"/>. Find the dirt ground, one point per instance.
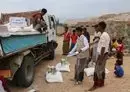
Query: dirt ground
<point x="112" y="84"/>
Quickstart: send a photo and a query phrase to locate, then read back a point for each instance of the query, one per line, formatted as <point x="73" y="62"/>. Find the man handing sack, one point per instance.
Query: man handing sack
<point x="82" y="52"/>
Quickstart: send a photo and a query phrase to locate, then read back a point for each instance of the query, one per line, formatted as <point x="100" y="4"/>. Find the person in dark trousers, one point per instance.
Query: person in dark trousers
<point x="82" y="47"/>
<point x="86" y="34"/>
<point x="95" y="41"/>
<point x="102" y="50"/>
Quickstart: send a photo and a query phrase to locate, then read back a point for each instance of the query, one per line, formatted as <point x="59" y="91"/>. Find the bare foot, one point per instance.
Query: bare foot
<point x="72" y="80"/>
<point x="78" y="83"/>
<point x="92" y="89"/>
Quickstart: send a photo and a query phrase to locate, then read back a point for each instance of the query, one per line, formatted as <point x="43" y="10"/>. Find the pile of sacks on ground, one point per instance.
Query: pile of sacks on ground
<point x="90" y="70"/>
<point x="54" y="73"/>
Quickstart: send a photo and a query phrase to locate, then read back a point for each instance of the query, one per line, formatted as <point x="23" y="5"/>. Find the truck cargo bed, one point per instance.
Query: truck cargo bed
<point x="12" y="42"/>
<point x="16" y="43"/>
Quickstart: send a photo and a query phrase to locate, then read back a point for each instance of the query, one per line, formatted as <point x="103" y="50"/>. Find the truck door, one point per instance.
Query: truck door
<point x="52" y="29"/>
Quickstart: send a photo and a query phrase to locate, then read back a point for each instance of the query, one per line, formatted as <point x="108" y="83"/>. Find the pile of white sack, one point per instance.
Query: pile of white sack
<point x="90" y="70"/>
<point x="20" y="29"/>
<point x="91" y="66"/>
<point x="8" y="30"/>
<point x="54" y="72"/>
<point x="54" y="77"/>
<point x="63" y="66"/>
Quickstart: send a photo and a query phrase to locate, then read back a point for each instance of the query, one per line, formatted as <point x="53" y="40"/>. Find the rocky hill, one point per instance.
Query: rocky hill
<point x="118" y="25"/>
<point x="116" y="17"/>
<point x="107" y="17"/>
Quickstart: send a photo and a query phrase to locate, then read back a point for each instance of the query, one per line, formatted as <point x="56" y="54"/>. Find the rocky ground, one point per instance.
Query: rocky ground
<point x="112" y="84"/>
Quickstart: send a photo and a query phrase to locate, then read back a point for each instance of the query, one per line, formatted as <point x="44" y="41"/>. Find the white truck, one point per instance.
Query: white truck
<point x="21" y="50"/>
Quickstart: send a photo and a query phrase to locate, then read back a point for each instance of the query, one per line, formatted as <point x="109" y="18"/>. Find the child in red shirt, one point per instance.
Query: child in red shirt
<point x="119" y="50"/>
<point x="74" y="37"/>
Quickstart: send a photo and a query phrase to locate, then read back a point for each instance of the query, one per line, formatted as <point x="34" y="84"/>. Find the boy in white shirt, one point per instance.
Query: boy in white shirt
<point x="82" y="47"/>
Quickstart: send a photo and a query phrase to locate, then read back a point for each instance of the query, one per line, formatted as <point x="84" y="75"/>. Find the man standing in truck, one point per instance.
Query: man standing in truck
<point x="38" y="21"/>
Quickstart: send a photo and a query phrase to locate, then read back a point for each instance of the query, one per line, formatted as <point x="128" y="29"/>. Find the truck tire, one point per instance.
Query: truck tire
<point x="52" y="55"/>
<point x="25" y="74"/>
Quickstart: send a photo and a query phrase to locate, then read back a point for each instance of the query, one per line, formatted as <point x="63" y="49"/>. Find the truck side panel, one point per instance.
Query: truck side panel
<point x="16" y="43"/>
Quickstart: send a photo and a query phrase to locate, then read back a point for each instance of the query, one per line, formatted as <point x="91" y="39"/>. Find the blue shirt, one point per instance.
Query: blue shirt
<point x="119" y="71"/>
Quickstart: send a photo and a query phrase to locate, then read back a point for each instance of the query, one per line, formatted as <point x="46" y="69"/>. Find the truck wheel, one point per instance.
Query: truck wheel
<point x="25" y="74"/>
<point x="52" y="55"/>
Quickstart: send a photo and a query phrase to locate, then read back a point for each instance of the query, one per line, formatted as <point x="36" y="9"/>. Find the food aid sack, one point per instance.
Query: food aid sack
<point x="91" y="64"/>
<point x="73" y="54"/>
<point x="54" y="77"/>
<point x="63" y="67"/>
<point x="90" y="71"/>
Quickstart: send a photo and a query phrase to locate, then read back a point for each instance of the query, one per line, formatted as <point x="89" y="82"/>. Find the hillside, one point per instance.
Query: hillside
<point x="107" y="17"/>
<point x="118" y="25"/>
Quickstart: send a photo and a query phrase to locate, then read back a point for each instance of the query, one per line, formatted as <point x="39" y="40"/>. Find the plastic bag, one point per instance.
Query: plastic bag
<point x="52" y="69"/>
<point x="63" y="67"/>
<point x="73" y="54"/>
<point x="113" y="49"/>
<point x="57" y="77"/>
<point x="90" y="71"/>
<point x="91" y="64"/>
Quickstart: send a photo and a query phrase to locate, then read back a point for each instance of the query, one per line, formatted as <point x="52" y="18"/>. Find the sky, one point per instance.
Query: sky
<point x="67" y="9"/>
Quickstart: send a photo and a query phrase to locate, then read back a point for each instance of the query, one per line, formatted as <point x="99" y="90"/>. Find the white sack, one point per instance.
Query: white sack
<point x="91" y="64"/>
<point x="19" y="29"/>
<point x="114" y="50"/>
<point x="63" y="68"/>
<point x="72" y="54"/>
<point x="57" y="77"/>
<point x="90" y="71"/>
